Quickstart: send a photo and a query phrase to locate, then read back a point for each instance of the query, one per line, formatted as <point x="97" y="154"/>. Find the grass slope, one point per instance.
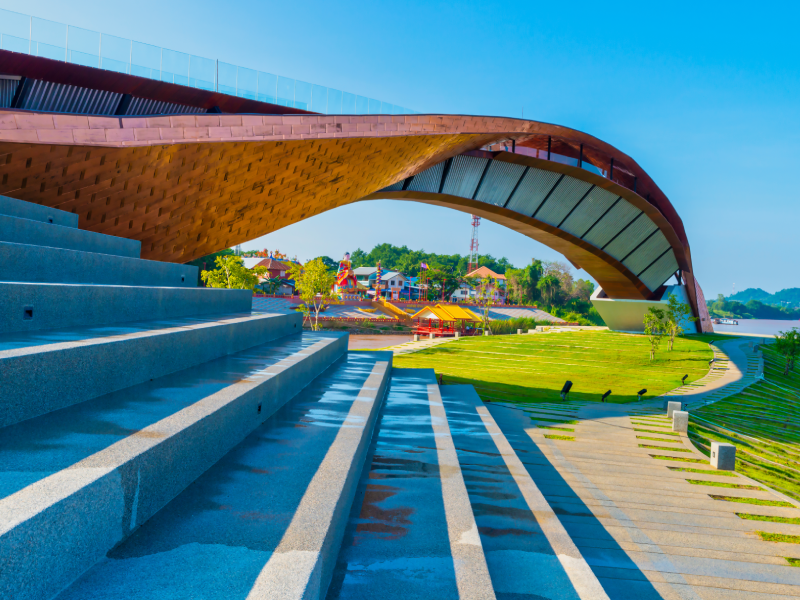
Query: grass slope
<point x="763" y="422"/>
<point x="533" y="368"/>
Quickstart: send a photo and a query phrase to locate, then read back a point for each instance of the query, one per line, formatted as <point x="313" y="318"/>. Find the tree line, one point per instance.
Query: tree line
<point x="752" y="309"/>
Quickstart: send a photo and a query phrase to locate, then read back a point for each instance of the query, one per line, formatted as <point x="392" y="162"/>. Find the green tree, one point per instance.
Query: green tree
<point x="329" y="263"/>
<point x="314" y="282"/>
<point x="563" y="273"/>
<point x="270" y="285"/>
<point x="204" y="262"/>
<point x="484" y="297"/>
<point x="676" y="313"/>
<point x="522" y="283"/>
<point x="401" y="258"/>
<point x="439" y="280"/>
<point x="549" y="286"/>
<point x="583" y="289"/>
<point x="231" y="273"/>
<point x="654" y="328"/>
<point x="788" y="344"/>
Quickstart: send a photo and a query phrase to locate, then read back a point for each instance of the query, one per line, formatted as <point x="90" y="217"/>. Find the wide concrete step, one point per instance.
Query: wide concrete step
<point x="36" y="212"/>
<point x="76" y="482"/>
<point x="267" y="520"/>
<point x="43" y="371"/>
<point x="412" y="532"/>
<point x="42" y="264"/>
<point x="37" y="233"/>
<point x="28" y="307"/>
<point x="528" y="551"/>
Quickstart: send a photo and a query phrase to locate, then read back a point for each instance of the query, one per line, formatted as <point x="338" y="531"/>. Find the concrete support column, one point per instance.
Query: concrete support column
<point x="672" y="407"/>
<point x="723" y="456"/>
<point x="416" y="337"/>
<point x="680" y="421"/>
<point x="431" y="336"/>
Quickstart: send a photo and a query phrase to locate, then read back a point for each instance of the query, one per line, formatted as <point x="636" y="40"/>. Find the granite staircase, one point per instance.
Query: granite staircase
<point x="159" y="440"/>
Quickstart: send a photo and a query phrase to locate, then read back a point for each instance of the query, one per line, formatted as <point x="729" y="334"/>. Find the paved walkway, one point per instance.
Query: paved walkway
<point x="645" y="530"/>
<point x="412" y="346"/>
<point x="737" y="364"/>
<point x="648" y="526"/>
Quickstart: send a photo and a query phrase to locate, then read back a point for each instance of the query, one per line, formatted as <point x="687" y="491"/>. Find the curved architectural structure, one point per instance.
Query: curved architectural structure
<point x="186" y="185"/>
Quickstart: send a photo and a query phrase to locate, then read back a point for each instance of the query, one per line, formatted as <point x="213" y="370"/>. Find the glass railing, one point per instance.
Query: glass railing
<point x="40" y="37"/>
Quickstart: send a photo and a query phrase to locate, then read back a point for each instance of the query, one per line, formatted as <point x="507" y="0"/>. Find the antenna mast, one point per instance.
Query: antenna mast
<point x="473" y="245"/>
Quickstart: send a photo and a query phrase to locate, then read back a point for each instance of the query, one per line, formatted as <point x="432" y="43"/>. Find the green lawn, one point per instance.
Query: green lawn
<point x="763" y="422"/>
<point x="533" y="368"/>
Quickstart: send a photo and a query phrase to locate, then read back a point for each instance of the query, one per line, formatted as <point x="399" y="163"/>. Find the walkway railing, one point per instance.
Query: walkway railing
<point x="49" y="39"/>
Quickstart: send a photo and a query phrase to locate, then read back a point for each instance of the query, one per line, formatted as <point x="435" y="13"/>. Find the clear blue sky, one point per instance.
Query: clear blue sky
<point x="704" y="95"/>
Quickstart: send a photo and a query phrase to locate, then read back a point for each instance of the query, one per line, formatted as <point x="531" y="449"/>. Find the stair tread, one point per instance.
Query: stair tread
<point x="238" y="513"/>
<point x="34" y="449"/>
<point x="512" y="538"/>
<point x="59" y="337"/>
<point x="397" y="544"/>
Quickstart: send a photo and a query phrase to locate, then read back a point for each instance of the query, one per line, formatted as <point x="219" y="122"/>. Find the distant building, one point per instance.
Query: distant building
<point x="392" y="282"/>
<point x="275" y="267"/>
<point x="464" y="293"/>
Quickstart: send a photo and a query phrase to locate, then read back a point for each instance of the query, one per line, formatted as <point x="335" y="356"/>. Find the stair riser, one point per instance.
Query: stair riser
<point x="59" y="306"/>
<point x="26" y="231"/>
<point x="40" y="264"/>
<point x="36" y="212"/>
<point x="333" y="542"/>
<point x="40" y="382"/>
<point x="286" y="578"/>
<point x="142" y="474"/>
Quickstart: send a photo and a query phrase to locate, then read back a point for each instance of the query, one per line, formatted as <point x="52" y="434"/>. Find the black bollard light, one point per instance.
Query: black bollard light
<point x="641" y="393"/>
<point x="565" y="390"/>
<point x="606" y="395"/>
<point x="683" y="379"/>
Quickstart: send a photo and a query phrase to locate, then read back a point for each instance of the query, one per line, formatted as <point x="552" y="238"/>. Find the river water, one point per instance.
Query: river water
<point x="755" y="327"/>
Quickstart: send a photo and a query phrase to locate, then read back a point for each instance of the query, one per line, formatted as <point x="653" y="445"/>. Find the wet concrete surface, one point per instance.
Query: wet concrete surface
<point x="522" y="563"/>
<point x="36" y="448"/>
<point x="213" y="540"/>
<point x="397" y="544"/>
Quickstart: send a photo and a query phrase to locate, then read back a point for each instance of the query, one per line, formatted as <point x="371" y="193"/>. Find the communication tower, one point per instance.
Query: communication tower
<point x="473" y="245"/>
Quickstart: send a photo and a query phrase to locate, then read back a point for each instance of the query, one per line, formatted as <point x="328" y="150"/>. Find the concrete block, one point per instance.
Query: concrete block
<point x="431" y="336"/>
<point x="416" y="337"/>
<point x="519" y="331"/>
<point x="723" y="456"/>
<point x="41" y="306"/>
<point x="58" y="265"/>
<point x="672" y="406"/>
<point x="36" y="212"/>
<point x="49" y="371"/>
<point x="680" y="421"/>
<point x="36" y="233"/>
<point x="100" y="500"/>
<point x="457" y="334"/>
